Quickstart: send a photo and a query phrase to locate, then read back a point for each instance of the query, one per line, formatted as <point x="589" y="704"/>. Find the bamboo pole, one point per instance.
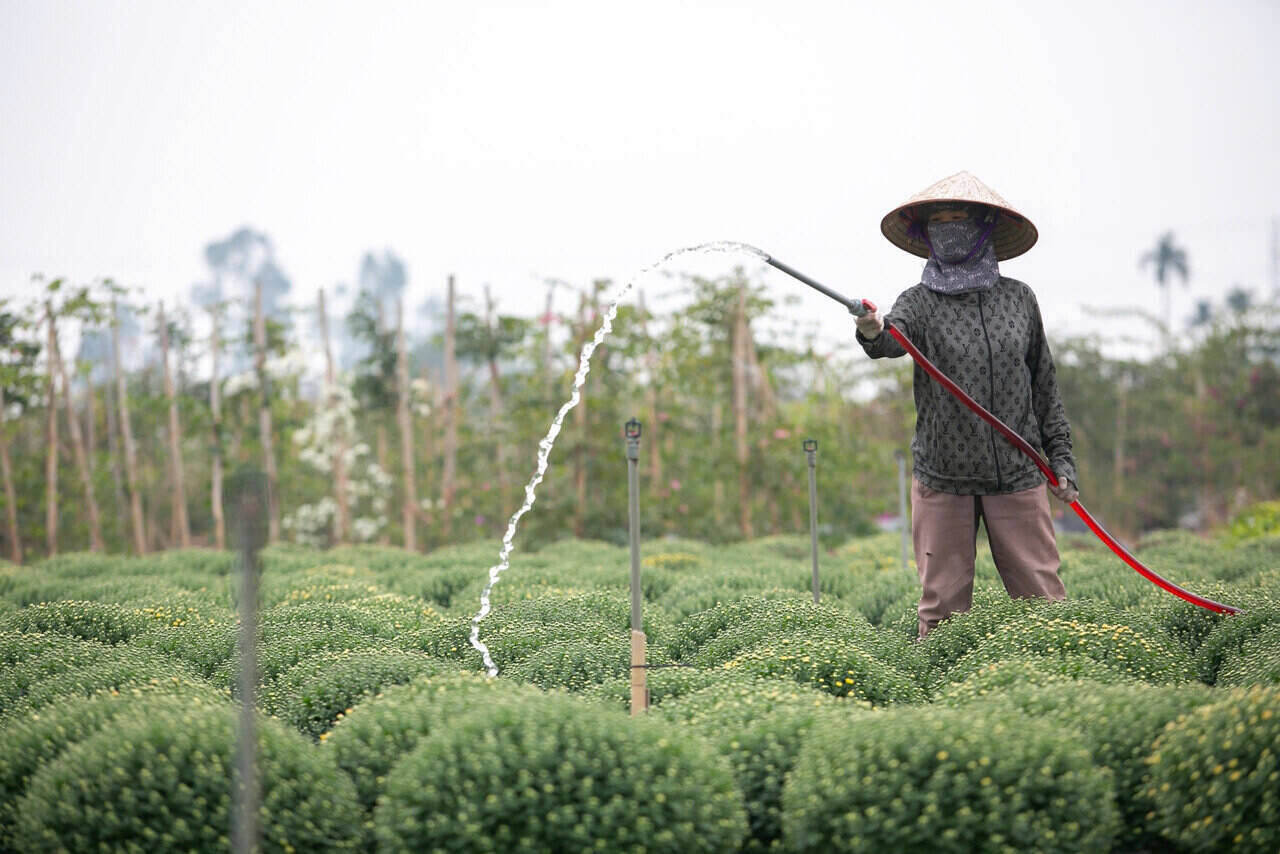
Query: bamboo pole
<point x="178" y="483"/>
<point x="10" y="494"/>
<point x="77" y="440"/>
<point x="264" y="415"/>
<point x="449" y="476"/>
<point x="130" y="448"/>
<point x="740" y="411"/>
<point x="51" y="441"/>
<point x="215" y="409"/>
<point x="409" y="509"/>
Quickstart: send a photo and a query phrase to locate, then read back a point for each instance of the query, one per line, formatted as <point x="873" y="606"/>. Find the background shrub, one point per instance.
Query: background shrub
<point x="1257" y="662"/>
<point x="581" y="664"/>
<point x="165" y="775"/>
<point x="1118" y="723"/>
<point x="838" y="665"/>
<point x="1215" y="775"/>
<point x="99" y="621"/>
<point x="31" y="739"/>
<point x="974" y="679"/>
<point x="946" y="780"/>
<point x="319" y="689"/>
<point x="380" y="731"/>
<point x="1229" y="635"/>
<point x="559" y="774"/>
<point x="760" y="726"/>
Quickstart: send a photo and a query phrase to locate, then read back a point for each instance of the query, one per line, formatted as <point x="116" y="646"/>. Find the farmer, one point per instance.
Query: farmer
<point x="984" y="331"/>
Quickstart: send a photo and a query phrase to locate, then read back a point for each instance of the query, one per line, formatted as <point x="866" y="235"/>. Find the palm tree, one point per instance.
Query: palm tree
<point x="1167" y="258"/>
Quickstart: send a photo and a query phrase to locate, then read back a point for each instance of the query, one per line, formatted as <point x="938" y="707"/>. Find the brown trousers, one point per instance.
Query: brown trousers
<point x="944" y="531"/>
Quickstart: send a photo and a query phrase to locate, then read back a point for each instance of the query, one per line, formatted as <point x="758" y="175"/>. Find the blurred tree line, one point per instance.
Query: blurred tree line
<point x="424" y="432"/>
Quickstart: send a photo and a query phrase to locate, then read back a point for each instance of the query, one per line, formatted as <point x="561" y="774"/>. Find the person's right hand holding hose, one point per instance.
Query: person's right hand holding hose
<point x="870" y="324"/>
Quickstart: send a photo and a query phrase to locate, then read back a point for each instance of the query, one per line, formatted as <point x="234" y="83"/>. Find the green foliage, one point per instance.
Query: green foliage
<point x="761" y="726"/>
<point x="1148" y="658"/>
<point x="204" y="648"/>
<point x="35" y="738"/>
<point x="1258" y="520"/>
<point x="946" y="780"/>
<point x="1118" y="723"/>
<point x="668" y="683"/>
<point x="31" y="659"/>
<point x="166" y="775"/>
<point x="580" y="664"/>
<point x="99" y="621"/>
<point x="998" y="627"/>
<point x="1215" y="775"/>
<point x="116" y="668"/>
<point x="840" y="665"/>
<point x="975" y="679"/>
<point x="767" y="674"/>
<point x="1257" y="662"/>
<point x="1229" y="634"/>
<point x="559" y="774"/>
<point x="368" y="742"/>
<point x="321" y="688"/>
<point x="716" y="635"/>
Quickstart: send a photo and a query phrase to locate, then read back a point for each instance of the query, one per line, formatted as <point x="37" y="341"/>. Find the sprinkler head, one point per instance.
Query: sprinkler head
<point x="632" y="429"/>
<point x="810" y="445"/>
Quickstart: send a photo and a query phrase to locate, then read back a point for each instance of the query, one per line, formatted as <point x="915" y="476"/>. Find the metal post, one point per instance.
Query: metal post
<point x="639" y="684"/>
<point x="902" y="503"/>
<point x="247" y="498"/>
<point x="811" y="452"/>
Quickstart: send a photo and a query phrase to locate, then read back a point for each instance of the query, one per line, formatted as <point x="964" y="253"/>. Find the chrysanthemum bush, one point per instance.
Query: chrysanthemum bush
<point x="1147" y="658"/>
<point x="319" y="689"/>
<point x="839" y="665"/>
<point x="557" y="773"/>
<point x="947" y="780"/>
<point x="164" y="777"/>
<point x="676" y="680"/>
<point x="579" y="664"/>
<point x="100" y="621"/>
<point x="1257" y="662"/>
<point x="719" y="634"/>
<point x="32" y="658"/>
<point x="117" y="667"/>
<point x="368" y="742"/>
<point x="761" y="726"/>
<point x="975" y="679"/>
<point x="763" y="668"/>
<point x="1229" y="636"/>
<point x="1215" y="775"/>
<point x="1118" y="724"/>
<point x="33" y="738"/>
<point x="998" y="627"/>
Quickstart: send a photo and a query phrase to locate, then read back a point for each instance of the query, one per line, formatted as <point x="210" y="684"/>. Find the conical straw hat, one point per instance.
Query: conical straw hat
<point x="1013" y="235"/>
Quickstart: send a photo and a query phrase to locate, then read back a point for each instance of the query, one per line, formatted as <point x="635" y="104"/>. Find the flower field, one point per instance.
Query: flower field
<point x="1122" y="719"/>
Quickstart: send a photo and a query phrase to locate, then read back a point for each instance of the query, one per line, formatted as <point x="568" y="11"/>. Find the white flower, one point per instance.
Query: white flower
<point x="239" y="382"/>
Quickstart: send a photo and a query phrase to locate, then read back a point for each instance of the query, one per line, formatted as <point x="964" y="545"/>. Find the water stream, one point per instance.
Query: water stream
<point x="548" y="441"/>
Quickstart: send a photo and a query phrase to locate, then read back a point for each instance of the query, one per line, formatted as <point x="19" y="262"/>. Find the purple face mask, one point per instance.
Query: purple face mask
<point x="953" y="242"/>
<point x="962" y="257"/>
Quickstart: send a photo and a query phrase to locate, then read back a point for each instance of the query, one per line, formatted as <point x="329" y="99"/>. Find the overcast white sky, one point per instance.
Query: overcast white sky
<point x="504" y="142"/>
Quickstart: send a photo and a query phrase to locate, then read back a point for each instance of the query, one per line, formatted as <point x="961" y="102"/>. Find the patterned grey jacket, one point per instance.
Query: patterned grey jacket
<point x="992" y="343"/>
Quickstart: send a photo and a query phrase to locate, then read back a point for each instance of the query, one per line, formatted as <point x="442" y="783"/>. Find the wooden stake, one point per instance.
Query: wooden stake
<point x="639" y="682"/>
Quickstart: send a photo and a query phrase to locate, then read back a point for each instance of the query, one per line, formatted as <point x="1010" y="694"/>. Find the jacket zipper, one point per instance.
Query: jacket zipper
<point x="991" y="380"/>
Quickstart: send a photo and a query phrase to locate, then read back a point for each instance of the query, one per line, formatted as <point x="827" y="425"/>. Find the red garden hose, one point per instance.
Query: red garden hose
<point x="862" y="306"/>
